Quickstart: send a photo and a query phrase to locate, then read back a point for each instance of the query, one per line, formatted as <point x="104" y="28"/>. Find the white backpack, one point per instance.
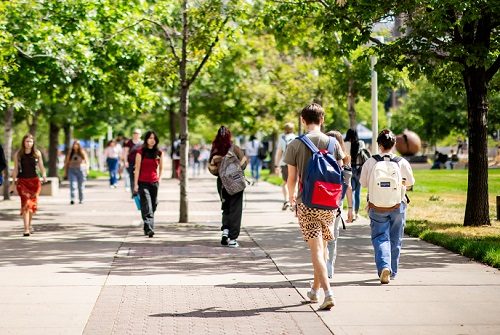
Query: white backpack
<point x="385" y="184"/>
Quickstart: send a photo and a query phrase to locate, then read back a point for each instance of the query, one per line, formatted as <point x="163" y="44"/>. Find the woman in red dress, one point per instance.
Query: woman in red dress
<point x="26" y="179"/>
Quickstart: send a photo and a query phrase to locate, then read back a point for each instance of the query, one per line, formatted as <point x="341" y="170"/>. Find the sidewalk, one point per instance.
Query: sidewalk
<point x="88" y="269"/>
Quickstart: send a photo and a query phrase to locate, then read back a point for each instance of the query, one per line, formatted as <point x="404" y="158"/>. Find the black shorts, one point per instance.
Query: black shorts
<point x="284" y="172"/>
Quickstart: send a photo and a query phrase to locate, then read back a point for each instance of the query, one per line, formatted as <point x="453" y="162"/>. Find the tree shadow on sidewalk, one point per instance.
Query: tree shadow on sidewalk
<point x="214" y="312"/>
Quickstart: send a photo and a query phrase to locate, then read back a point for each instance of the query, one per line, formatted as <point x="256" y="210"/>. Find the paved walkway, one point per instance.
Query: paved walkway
<point x="88" y="269"/>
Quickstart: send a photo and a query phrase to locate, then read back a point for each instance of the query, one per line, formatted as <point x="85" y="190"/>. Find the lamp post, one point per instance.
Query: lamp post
<point x="374" y="97"/>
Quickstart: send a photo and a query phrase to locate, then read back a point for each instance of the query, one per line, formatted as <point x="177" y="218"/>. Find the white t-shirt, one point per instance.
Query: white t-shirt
<point x="112" y="152"/>
<point x="406" y="171"/>
<point x="252" y="148"/>
<point x="285" y="139"/>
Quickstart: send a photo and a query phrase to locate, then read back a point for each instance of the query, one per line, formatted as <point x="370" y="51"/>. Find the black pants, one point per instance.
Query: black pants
<point x="232" y="208"/>
<point x="149" y="200"/>
<point x="130" y="171"/>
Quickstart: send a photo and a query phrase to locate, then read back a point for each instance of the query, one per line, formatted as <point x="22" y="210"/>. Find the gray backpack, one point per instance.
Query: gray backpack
<point x="231" y="173"/>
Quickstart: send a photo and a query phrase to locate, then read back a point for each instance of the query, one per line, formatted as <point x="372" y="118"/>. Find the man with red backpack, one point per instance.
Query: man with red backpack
<point x="312" y="161"/>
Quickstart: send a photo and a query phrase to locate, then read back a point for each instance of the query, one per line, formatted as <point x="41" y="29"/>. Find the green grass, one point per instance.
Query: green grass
<point x="485" y="249"/>
<point x="94" y="174"/>
<point x="437" y="209"/>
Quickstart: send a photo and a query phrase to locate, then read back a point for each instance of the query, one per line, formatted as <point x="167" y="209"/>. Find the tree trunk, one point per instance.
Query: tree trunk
<point x="273" y="163"/>
<point x="53" y="144"/>
<point x="173" y="131"/>
<point x="33" y="126"/>
<point x="68" y="135"/>
<point x="184" y="101"/>
<point x="7" y="148"/>
<point x="477" y="207"/>
<point x="351" y="109"/>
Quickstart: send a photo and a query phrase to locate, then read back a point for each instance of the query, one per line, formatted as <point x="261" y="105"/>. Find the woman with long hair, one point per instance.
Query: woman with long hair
<point x="232" y="204"/>
<point x="26" y="179"/>
<point x="352" y="144"/>
<point x="147" y="176"/>
<point x="76" y="168"/>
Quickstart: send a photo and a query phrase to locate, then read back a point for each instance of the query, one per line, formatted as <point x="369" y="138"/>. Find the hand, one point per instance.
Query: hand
<point x="136" y="189"/>
<point x="277" y="170"/>
<point x="349" y="215"/>
<point x="126" y="164"/>
<point x="44" y="179"/>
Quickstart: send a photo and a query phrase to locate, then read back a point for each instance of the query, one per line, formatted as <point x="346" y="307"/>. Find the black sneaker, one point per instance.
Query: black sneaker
<point x="72" y="202"/>
<point x="151" y="233"/>
<point x="225" y="239"/>
<point x="286" y="204"/>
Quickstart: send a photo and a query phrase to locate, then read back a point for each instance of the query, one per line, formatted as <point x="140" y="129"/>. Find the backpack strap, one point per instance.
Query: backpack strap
<point x="395" y="159"/>
<point x="332" y="142"/>
<point x="308" y="143"/>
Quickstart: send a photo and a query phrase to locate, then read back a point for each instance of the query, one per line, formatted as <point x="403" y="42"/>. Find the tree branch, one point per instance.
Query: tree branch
<point x="27" y="55"/>
<point x="168" y="36"/>
<point x="122" y="30"/>
<point x="490" y="72"/>
<point x="209" y="52"/>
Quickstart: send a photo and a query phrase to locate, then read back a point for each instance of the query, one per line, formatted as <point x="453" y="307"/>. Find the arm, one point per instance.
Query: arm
<point x="41" y="167"/>
<point x="137" y="171"/>
<point x="279" y="154"/>
<point x="160" y="167"/>
<point x="125" y="156"/>
<point x="16" y="167"/>
<point x="86" y="162"/>
<point x="66" y="165"/>
<point x="291" y="183"/>
<point x="349" y="203"/>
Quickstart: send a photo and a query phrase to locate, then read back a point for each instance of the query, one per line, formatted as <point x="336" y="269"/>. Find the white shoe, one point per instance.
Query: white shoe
<point x="313" y="297"/>
<point x="327" y="304"/>
<point x="233" y="244"/>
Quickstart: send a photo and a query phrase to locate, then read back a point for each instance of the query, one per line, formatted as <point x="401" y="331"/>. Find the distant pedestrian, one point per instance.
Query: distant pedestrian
<point x="232" y="204"/>
<point x="147" y="177"/>
<point x="195" y="154"/>
<point x="354" y="146"/>
<point x="204" y="156"/>
<point x="3" y="164"/>
<point x="387" y="177"/>
<point x="175" y="154"/>
<point x="76" y="168"/>
<point x="345" y="163"/>
<point x="252" y="152"/>
<point x="315" y="223"/>
<point x="281" y="167"/>
<point x="112" y="154"/>
<point x="27" y="181"/>
<point x="129" y="152"/>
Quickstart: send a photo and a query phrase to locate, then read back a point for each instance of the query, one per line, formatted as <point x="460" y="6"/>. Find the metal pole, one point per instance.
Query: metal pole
<point x="374" y="97"/>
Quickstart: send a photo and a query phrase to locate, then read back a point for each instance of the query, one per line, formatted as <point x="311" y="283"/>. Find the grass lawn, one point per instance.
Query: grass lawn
<point x="436" y="213"/>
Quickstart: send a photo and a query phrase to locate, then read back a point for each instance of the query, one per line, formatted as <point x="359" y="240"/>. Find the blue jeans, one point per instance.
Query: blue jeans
<point x="113" y="170"/>
<point x="332" y="248"/>
<point x="387" y="236"/>
<point x="255" y="165"/>
<point x="356" y="194"/>
<point x="76" y="178"/>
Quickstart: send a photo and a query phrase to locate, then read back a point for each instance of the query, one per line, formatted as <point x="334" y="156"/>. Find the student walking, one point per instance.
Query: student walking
<point x="387" y="177"/>
<point x="252" y="152"/>
<point x="344" y="162"/>
<point x="112" y="154"/>
<point x="27" y="181"/>
<point x="76" y="168"/>
<point x="148" y="170"/>
<point x="232" y="204"/>
<point x="315" y="223"/>
<point x="129" y="152"/>
<point x="282" y="168"/>
<point x="353" y="146"/>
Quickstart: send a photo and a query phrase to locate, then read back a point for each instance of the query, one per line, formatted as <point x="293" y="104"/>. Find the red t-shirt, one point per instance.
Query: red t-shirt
<point x="149" y="166"/>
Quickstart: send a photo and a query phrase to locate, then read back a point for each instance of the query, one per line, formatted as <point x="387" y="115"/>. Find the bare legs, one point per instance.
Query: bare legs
<point x="27" y="217"/>
<point x="317" y="247"/>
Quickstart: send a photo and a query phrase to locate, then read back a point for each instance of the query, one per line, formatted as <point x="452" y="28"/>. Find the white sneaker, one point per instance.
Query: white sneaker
<point x="327" y="304"/>
<point x="313" y="297"/>
<point x="233" y="244"/>
<point x="385" y="276"/>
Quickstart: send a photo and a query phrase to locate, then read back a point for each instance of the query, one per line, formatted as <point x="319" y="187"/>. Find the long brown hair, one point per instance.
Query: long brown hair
<point x="78" y="151"/>
<point x="34" y="151"/>
<point x="221" y="143"/>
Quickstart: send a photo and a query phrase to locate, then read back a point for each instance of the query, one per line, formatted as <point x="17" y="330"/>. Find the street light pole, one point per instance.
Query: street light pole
<point x="374" y="97"/>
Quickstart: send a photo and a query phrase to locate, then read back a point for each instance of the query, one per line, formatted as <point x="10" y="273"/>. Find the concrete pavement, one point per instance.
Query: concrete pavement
<point x="88" y="269"/>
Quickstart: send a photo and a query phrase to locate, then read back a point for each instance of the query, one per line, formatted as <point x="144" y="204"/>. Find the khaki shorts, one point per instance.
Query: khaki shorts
<point x="315" y="222"/>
